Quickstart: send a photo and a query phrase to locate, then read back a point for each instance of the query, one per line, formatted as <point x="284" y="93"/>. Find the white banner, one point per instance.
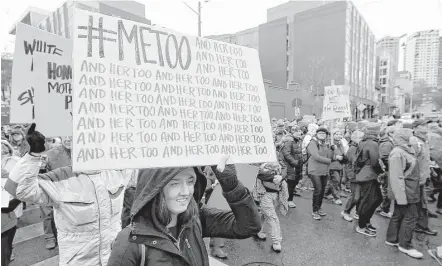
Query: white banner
<point x="53" y="99"/>
<point x="336" y="102"/>
<point x="146" y="96"/>
<point x="29" y="42"/>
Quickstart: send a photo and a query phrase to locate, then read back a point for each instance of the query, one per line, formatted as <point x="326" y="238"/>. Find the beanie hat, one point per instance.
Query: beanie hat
<point x="357" y="136"/>
<point x="372" y="129"/>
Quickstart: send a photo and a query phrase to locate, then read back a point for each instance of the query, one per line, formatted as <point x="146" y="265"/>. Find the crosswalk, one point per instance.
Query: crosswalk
<point x="29" y="243"/>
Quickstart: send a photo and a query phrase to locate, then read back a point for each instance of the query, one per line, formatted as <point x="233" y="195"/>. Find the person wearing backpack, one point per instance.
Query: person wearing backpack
<point x="319" y="159"/>
<point x="367" y="169"/>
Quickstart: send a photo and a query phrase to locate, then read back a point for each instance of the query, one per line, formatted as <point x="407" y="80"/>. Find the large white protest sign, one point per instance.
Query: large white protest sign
<point x="149" y="97"/>
<point x="30" y="41"/>
<point x="53" y="98"/>
<point x="336" y="102"/>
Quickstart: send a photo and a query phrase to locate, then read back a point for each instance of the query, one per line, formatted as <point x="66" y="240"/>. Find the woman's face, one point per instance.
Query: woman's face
<point x="297" y="133"/>
<point x="17" y="136"/>
<point x="338" y="136"/>
<point x="179" y="191"/>
<point x="67" y="143"/>
<point x="321" y="135"/>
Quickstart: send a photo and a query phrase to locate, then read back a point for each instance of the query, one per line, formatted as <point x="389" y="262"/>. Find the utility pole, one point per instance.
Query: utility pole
<point x="199" y="18"/>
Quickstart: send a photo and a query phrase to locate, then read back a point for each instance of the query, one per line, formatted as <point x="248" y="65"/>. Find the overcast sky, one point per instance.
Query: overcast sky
<point x="384" y="17"/>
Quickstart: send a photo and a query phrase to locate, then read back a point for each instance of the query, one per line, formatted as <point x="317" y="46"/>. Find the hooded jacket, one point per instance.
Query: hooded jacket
<point x="385" y="147"/>
<point x="292" y="154"/>
<point x="367" y="160"/>
<point x="241" y="222"/>
<point x="87" y="207"/>
<point x="419" y="143"/>
<point x="434" y="141"/>
<point x="320" y="158"/>
<point x="404" y="170"/>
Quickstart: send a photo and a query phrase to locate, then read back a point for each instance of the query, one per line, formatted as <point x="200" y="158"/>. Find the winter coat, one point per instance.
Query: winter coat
<point x="58" y="157"/>
<point x="385" y="147"/>
<point x="87" y="207"/>
<point x="351" y="158"/>
<point x="404" y="170"/>
<point x="367" y="165"/>
<point x="320" y="158"/>
<point x="161" y="248"/>
<point x="338" y="150"/>
<point x="435" y="146"/>
<point x="292" y="155"/>
<point x="9" y="219"/>
<point x="422" y="153"/>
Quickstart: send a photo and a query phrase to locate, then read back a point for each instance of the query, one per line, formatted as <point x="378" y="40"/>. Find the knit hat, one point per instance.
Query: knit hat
<point x="357" y="136"/>
<point x="336" y="130"/>
<point x="362" y="124"/>
<point x="372" y="129"/>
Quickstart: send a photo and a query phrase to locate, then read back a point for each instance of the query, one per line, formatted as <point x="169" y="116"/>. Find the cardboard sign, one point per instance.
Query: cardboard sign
<point x="336" y="102"/>
<point x="147" y="97"/>
<point x="246" y="174"/>
<point x="6" y="197"/>
<point x="29" y="42"/>
<point x="53" y="98"/>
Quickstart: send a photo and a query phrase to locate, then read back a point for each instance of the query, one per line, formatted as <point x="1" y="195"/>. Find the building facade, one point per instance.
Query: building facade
<point x="422" y="56"/>
<point x="439" y="72"/>
<point x="386" y="69"/>
<point x="403" y="86"/>
<point x="391" y="45"/>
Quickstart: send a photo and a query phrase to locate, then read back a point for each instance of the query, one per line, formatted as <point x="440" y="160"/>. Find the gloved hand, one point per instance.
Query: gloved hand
<point x="35" y="139"/>
<point x="226" y="175"/>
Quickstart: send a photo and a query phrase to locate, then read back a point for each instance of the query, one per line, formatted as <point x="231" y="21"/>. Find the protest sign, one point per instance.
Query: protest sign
<point x="29" y="42"/>
<point x="146" y="96"/>
<point x="246" y="174"/>
<point x="6" y="197"/>
<point x="336" y="102"/>
<point x="53" y="98"/>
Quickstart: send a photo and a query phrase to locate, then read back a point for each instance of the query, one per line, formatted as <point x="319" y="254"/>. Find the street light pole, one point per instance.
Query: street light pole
<point x="198" y="13"/>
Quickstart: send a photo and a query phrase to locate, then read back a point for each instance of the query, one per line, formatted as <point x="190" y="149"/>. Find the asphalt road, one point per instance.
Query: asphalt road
<point x="331" y="241"/>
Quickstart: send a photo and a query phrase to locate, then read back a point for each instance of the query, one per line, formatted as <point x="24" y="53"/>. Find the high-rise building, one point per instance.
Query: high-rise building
<point x="248" y="38"/>
<point x="386" y="69"/>
<point x="307" y="44"/>
<point x="422" y="56"/>
<point x="439" y="75"/>
<point x="32" y="17"/>
<point x="391" y="45"/>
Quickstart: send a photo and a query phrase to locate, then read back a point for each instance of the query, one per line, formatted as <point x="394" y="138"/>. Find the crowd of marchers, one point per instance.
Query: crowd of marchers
<point x="160" y="216"/>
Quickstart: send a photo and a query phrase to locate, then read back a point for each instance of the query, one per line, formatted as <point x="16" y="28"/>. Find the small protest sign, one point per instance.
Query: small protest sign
<point x="53" y="98"/>
<point x="336" y="102"/>
<point x="29" y="42"/>
<point x="146" y="96"/>
<point x="246" y="174"/>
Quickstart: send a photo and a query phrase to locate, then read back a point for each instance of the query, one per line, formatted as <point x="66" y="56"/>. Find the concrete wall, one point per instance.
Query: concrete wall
<point x="319" y="34"/>
<point x="273" y="51"/>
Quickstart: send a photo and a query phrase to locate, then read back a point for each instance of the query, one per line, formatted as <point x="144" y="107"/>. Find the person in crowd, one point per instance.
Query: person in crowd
<point x="87" y="206"/>
<point x="420" y="145"/>
<point x="270" y="190"/>
<point x="339" y="149"/>
<point x="385" y="148"/>
<point x="292" y="154"/>
<point x="57" y="157"/>
<point x="279" y="134"/>
<point x="404" y="181"/>
<point x="17" y="140"/>
<point x="367" y="169"/>
<point x="319" y="158"/>
<point x="215" y="243"/>
<point x="168" y="221"/>
<point x="354" y="197"/>
<point x="436" y="254"/>
<point x="9" y="216"/>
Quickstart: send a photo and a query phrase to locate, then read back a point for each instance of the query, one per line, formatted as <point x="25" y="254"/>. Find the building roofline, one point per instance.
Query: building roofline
<point x="25" y="13"/>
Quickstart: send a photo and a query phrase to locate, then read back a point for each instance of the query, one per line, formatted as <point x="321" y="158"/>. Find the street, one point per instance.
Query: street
<point x="331" y="241"/>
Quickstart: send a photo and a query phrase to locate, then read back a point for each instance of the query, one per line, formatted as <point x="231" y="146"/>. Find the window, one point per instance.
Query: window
<point x="384" y="71"/>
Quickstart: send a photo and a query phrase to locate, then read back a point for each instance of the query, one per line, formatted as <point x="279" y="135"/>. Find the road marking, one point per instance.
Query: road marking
<point x="28" y="232"/>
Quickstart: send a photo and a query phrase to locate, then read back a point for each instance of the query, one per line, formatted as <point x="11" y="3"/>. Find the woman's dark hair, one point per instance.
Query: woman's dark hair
<point x="163" y="214"/>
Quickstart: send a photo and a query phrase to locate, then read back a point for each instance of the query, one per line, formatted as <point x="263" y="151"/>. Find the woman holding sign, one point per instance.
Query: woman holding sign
<point x="169" y="221"/>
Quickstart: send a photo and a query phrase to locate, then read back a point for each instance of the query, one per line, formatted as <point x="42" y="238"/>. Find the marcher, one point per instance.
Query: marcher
<point x="354" y="197"/>
<point x="270" y="191"/>
<point x="167" y="226"/>
<point x="319" y="158"/>
<point x="419" y="143"/>
<point x="367" y="169"/>
<point x="336" y="167"/>
<point x="385" y="148"/>
<point x="18" y="142"/>
<point x="404" y="180"/>
<point x="87" y="206"/>
<point x="292" y="154"/>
